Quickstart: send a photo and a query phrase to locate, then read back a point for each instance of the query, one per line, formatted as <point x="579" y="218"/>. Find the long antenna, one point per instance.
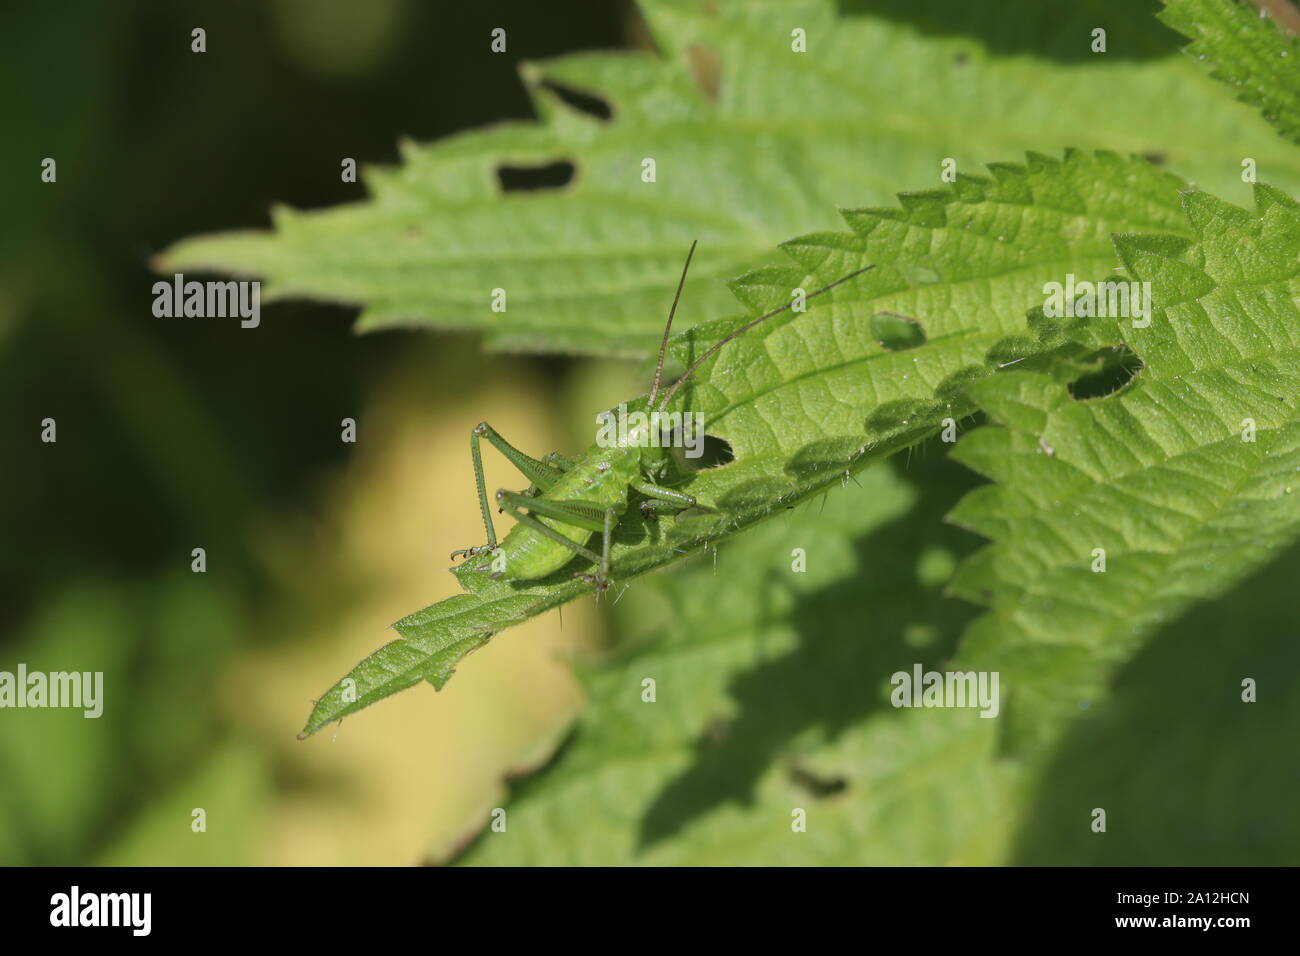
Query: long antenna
<point x="746" y="327"/>
<point x="663" y="346"/>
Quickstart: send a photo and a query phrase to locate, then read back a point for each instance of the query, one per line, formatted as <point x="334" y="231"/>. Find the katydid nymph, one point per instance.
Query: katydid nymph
<point x="569" y="501"/>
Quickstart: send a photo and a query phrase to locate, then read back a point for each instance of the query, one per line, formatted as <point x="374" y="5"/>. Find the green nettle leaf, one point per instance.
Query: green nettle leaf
<point x="751" y="141"/>
<point x="771" y="695"/>
<point x="1195" y="773"/>
<point x="809" y="398"/>
<point x="1177" y="485"/>
<point x="1246" y="50"/>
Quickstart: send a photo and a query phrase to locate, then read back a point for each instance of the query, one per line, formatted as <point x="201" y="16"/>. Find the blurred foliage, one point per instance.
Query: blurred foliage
<point x="174" y="435"/>
<point x="1187" y="773"/>
<point x="1249" y="51"/>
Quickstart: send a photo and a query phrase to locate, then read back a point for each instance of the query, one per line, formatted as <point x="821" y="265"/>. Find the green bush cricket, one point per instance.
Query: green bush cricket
<point x="569" y="501"/>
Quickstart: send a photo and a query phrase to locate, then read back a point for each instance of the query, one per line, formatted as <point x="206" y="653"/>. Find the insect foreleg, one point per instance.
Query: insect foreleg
<point x="657" y="506"/>
<point x="540" y="473"/>
<point x="660" y="500"/>
<point x="659" y="493"/>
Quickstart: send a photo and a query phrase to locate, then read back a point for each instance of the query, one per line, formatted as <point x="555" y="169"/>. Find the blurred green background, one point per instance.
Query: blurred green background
<point x="174" y="435"/>
<point x="179" y="434"/>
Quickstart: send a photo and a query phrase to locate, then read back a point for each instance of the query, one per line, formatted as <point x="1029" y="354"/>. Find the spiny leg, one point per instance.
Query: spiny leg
<point x="580" y="514"/>
<point x="540" y="473"/>
<point x="601" y="580"/>
<point x="511" y="502"/>
<point x="477" y="458"/>
<point x="556" y="461"/>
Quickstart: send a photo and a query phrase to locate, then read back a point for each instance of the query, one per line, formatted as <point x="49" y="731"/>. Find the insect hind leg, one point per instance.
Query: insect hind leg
<point x="512" y="502"/>
<point x="601" y="579"/>
<point x="543" y="475"/>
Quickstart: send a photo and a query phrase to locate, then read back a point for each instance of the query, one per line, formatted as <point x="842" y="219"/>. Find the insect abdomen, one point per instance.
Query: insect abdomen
<point x="530" y="555"/>
<point x="600" y="481"/>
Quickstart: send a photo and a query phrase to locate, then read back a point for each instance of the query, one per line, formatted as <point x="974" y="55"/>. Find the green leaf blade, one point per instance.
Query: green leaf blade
<point x="810" y="398"/>
<point x="1184" y="479"/>
<point x="753" y="143"/>
<point x="1247" y="51"/>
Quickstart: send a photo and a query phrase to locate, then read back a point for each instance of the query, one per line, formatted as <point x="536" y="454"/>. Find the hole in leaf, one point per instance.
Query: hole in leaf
<point x="895" y="332"/>
<point x="715" y="453"/>
<point x="1115" y="367"/>
<point x="546" y="176"/>
<point x="816" y="786"/>
<point x="588" y="103"/>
